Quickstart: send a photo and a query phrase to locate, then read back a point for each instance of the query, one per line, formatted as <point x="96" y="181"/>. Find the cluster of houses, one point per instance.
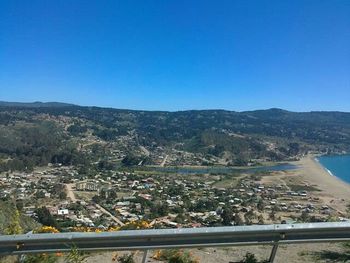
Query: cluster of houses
<point x="167" y="200"/>
<point x="189" y="202"/>
<point x="34" y="185"/>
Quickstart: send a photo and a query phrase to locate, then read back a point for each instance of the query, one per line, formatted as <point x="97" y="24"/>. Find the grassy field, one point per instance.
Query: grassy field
<point x="299" y="187"/>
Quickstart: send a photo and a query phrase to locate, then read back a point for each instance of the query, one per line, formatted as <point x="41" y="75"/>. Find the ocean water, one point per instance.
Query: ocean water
<point x="337" y="165"/>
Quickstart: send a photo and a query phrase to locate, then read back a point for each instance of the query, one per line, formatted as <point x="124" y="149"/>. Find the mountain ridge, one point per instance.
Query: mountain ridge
<point x="37" y="135"/>
<point x="35" y="104"/>
<point x="38" y="104"/>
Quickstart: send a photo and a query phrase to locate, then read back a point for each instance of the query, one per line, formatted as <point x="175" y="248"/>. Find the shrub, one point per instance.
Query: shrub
<point x="250" y="258"/>
<point x="40" y="258"/>
<point x="126" y="258"/>
<point x="175" y="256"/>
<point x="75" y="256"/>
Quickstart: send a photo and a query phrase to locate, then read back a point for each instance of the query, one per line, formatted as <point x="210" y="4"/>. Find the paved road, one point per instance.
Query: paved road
<point x="145" y="151"/>
<point x="109" y="214"/>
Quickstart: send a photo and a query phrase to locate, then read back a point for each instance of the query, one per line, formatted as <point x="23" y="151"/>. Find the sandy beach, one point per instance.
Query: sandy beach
<point x="333" y="189"/>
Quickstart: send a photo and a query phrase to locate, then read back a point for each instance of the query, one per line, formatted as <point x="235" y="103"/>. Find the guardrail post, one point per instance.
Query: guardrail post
<point x="273" y="253"/>
<point x="145" y="253"/>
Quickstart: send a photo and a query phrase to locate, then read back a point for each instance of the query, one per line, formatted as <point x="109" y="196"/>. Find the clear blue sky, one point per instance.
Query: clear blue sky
<point x="176" y="55"/>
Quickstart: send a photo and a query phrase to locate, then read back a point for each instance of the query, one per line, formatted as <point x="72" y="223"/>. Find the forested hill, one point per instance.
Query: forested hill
<point x="36" y="135"/>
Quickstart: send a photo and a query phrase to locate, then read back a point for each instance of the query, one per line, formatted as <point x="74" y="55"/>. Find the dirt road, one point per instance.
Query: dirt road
<point x="70" y="193"/>
<point x="164" y="161"/>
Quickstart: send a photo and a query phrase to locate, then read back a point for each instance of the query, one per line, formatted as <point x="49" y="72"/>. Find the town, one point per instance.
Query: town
<point x="58" y="196"/>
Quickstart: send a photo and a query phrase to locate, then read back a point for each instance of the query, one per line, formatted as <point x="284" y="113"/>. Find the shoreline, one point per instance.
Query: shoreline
<point x="332" y="187"/>
<point x="324" y="167"/>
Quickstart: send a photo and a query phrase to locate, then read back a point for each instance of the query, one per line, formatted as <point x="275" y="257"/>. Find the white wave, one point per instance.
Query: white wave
<point x="329" y="172"/>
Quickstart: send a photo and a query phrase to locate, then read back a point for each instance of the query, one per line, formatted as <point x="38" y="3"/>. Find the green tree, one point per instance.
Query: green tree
<point x="304" y="217"/>
<point x="159" y="209"/>
<point x="45" y="217"/>
<point x="19" y="205"/>
<point x="227" y="216"/>
<point x="62" y="195"/>
<point x="260" y="205"/>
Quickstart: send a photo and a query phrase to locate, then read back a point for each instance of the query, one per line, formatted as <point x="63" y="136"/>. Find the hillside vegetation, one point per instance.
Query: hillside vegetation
<point x="7" y="213"/>
<point x="37" y="134"/>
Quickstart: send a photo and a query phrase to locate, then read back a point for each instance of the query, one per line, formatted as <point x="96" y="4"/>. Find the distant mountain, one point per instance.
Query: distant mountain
<point x="36" y="104"/>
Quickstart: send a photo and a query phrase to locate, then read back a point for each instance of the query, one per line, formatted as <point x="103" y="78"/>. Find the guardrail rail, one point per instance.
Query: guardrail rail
<point x="145" y="240"/>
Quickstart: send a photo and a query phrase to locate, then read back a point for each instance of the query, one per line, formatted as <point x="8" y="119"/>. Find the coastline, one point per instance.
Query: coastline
<point x="333" y="189"/>
<point x="318" y="162"/>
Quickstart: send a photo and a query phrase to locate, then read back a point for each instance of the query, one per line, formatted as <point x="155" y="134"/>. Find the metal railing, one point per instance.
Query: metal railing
<point x="145" y="240"/>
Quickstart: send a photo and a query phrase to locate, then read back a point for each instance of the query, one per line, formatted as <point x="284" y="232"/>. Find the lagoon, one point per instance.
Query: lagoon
<point x="226" y="170"/>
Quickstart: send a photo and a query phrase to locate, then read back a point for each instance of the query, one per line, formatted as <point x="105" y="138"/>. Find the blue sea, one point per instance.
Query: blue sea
<point x="338" y="165"/>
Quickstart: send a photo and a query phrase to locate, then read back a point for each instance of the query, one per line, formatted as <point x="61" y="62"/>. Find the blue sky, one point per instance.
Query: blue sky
<point x="177" y="55"/>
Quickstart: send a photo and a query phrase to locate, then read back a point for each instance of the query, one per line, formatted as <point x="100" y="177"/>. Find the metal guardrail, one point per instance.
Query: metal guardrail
<point x="273" y="235"/>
